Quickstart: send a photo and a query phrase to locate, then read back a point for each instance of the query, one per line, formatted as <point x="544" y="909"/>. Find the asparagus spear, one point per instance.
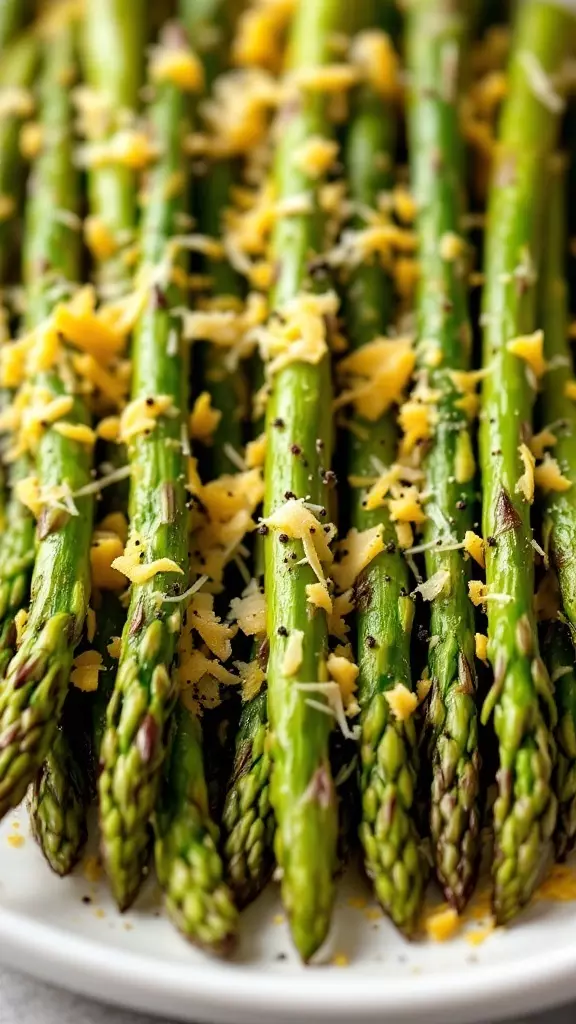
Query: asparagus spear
<point x="113" y="49"/>
<point x="436" y="41"/>
<point x="299" y="447"/>
<point x="62" y="789"/>
<point x="558" y="652"/>
<point x="388" y="746"/>
<point x="17" y="544"/>
<point x="189" y="866"/>
<point x="134" y="743"/>
<point x="557" y="409"/>
<point x="13" y="17"/>
<point x="521" y="696"/>
<point x="59" y="795"/>
<point x="37" y="679"/>
<point x="212" y="373"/>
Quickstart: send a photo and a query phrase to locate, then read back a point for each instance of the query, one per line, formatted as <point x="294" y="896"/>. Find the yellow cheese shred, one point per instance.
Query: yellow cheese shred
<point x="293" y="653"/>
<point x="525" y="484"/>
<point x="85" y="669"/>
<point x="402" y="701"/>
<point x="204" y="419"/>
<point x="548" y="476"/>
<point x="374" y="376"/>
<point x="141" y="415"/>
<point x="474" y="546"/>
<point x="530" y="348"/>
<point x="299" y="523"/>
<point x="356" y="552"/>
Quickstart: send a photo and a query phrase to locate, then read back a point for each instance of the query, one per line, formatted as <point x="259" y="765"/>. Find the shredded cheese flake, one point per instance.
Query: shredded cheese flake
<point x="477" y="592"/>
<point x="293" y="653"/>
<point x="374" y="376"/>
<point x="204" y="419"/>
<point x="530" y="348"/>
<point x="402" y="702"/>
<point x="356" y="551"/>
<point x="474" y="546"/>
<point x="298" y="522"/>
<point x="481" y="641"/>
<point x="141" y="415"/>
<point x="85" y="669"/>
<point x="373" y="55"/>
<point x="177" y="66"/>
<point x="525" y="484"/>
<point x="315" y="156"/>
<point x="434" y="586"/>
<point x="539" y="442"/>
<point x="249" y="610"/>
<point x="548" y="476"/>
<point x="317" y="595"/>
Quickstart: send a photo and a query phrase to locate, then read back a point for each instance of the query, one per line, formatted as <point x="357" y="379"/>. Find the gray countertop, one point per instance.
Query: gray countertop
<point x="24" y="1001"/>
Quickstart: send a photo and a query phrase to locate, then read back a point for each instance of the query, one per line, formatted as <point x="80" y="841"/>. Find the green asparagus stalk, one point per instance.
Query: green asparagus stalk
<point x="59" y="795"/>
<point x="388" y="752"/>
<point x="558" y="650"/>
<point x="13" y="16"/>
<point x="17" y="71"/>
<point x="246" y="820"/>
<point x="521" y="696"/>
<point x="112" y="50"/>
<point x="298" y="429"/>
<point x="188" y="863"/>
<point x="437" y="33"/>
<point x="17" y="544"/>
<point x="559" y="414"/>
<point x="557" y="408"/>
<point x="113" y="53"/>
<point x="134" y="743"/>
<point x="37" y="679"/>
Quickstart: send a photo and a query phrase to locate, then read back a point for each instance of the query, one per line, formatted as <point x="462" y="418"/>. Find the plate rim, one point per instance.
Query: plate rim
<point x="538" y="981"/>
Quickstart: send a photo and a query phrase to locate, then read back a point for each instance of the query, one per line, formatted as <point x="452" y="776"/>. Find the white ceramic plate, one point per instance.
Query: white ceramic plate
<point x="68" y="933"/>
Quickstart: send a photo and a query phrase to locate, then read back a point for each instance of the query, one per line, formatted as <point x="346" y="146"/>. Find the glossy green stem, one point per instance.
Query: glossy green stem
<point x="113" y="51"/>
<point x="558" y="412"/>
<point x="299" y="419"/>
<point x="384" y="611"/>
<point x="32" y="697"/>
<point x="134" y="744"/>
<point x="437" y="37"/>
<point x="521" y="696"/>
<point x="188" y="864"/>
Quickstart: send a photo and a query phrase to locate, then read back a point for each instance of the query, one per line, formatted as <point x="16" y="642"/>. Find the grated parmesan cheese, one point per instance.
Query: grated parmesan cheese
<point x="434" y="586"/>
<point x="141" y="415"/>
<point x="293" y="653"/>
<point x="249" y="610"/>
<point x="374" y="376"/>
<point x="204" y="419"/>
<point x="317" y="595"/>
<point x="401" y="701"/>
<point x="373" y="55"/>
<point x="548" y="476"/>
<point x="477" y="592"/>
<point x="299" y="523"/>
<point x="358" y="549"/>
<point x="85" y="670"/>
<point x="530" y="348"/>
<point x="474" y="546"/>
<point x="481" y="642"/>
<point x="525" y="484"/>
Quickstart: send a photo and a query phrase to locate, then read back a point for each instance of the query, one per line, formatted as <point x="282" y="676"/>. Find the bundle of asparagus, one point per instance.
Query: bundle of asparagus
<point x="257" y="255"/>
